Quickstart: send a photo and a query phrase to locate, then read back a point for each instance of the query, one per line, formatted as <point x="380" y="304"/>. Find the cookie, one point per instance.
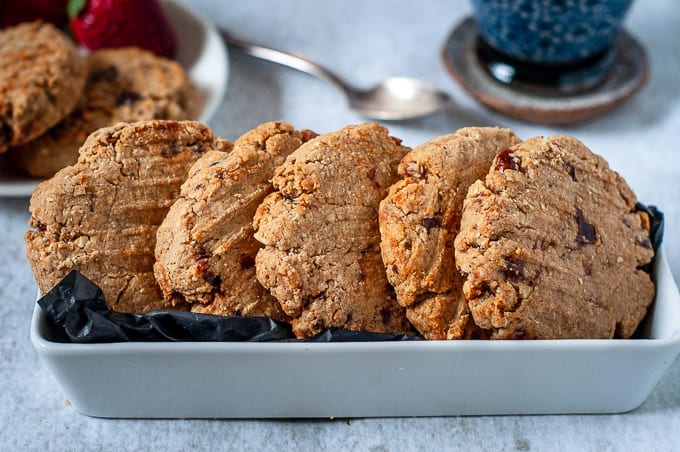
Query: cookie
<point x="321" y="255"/>
<point x="100" y="215"/>
<point x="419" y="220"/>
<point x="205" y="249"/>
<point x="551" y="246"/>
<point x="124" y="85"/>
<point x="41" y="81"/>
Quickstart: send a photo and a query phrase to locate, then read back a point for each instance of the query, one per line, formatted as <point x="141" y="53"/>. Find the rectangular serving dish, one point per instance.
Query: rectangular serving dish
<point x="366" y="379"/>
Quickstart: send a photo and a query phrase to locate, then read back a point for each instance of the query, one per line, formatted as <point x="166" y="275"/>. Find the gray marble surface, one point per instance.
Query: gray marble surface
<point x="367" y="41"/>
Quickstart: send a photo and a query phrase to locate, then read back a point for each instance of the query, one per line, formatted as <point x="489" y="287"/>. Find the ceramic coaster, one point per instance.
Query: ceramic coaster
<point x="540" y="104"/>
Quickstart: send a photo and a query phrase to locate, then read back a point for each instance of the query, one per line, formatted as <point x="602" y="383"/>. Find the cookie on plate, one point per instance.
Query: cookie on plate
<point x="321" y="256"/>
<point x="124" y="85"/>
<point x="419" y="220"/>
<point x="42" y="77"/>
<point x="551" y="245"/>
<point x="100" y="215"/>
<point x="205" y="249"/>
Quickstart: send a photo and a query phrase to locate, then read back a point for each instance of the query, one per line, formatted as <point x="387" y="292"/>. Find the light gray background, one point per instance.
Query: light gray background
<point x="367" y="41"/>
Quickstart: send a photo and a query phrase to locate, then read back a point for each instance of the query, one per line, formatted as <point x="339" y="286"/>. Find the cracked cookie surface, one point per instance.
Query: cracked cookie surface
<point x="124" y="85"/>
<point x="321" y="255"/>
<point x="419" y="220"/>
<point x="41" y="81"/>
<point x="205" y="249"/>
<point x="552" y="246"/>
<point x="100" y="215"/>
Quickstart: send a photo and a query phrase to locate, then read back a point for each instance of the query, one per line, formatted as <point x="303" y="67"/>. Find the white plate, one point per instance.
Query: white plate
<point x="428" y="378"/>
<point x="203" y="55"/>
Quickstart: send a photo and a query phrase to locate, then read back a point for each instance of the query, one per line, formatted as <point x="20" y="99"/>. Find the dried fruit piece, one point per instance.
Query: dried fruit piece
<point x="505" y="161"/>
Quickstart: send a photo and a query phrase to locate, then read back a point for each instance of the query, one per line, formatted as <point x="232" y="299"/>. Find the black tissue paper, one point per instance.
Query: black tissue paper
<point x="76" y="311"/>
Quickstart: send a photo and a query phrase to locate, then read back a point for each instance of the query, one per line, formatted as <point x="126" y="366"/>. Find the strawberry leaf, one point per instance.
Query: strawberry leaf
<point x="74" y="7"/>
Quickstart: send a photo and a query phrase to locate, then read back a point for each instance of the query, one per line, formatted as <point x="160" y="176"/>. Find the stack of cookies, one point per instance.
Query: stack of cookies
<point x="487" y="236"/>
<point x="476" y="234"/>
<point x="52" y="97"/>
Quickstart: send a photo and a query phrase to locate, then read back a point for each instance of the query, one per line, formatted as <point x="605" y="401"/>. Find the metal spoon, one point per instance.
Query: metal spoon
<point x="395" y="98"/>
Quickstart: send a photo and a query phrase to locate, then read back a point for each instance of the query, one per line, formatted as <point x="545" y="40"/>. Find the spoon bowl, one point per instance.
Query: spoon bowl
<point x="398" y="98"/>
<point x="393" y="99"/>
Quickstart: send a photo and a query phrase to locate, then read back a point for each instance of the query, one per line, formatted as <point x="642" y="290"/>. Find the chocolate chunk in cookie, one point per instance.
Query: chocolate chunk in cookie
<point x="552" y="246"/>
<point x="321" y="258"/>
<point x="205" y="251"/>
<point x="419" y="221"/>
<point x="124" y="85"/>
<point x="100" y="215"/>
<point x="41" y="80"/>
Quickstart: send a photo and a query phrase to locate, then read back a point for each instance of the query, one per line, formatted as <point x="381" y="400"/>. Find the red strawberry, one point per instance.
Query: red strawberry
<point x="119" y="23"/>
<point x="13" y="12"/>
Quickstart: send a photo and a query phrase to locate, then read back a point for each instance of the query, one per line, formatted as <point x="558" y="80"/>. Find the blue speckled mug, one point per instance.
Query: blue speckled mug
<point x="554" y="42"/>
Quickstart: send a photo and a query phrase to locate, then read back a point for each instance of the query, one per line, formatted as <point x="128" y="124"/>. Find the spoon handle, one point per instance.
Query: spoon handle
<point x="291" y="60"/>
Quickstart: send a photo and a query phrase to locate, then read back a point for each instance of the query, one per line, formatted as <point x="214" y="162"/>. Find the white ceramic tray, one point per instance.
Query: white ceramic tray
<point x="428" y="378"/>
<point x="201" y="52"/>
